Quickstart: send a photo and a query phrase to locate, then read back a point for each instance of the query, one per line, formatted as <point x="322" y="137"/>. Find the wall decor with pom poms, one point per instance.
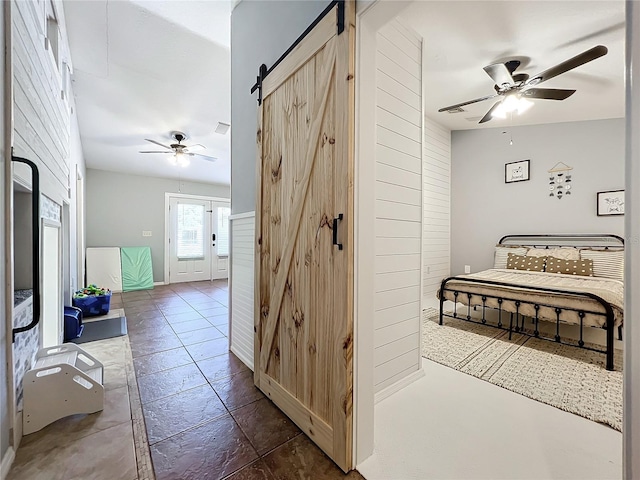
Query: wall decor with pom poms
<point x="560" y="180"/>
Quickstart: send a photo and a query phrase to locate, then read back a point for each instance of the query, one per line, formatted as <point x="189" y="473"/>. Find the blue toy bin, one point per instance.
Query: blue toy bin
<point x="93" y="306"/>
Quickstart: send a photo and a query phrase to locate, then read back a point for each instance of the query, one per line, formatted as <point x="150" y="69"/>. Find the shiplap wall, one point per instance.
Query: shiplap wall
<point x="42" y="127"/>
<point x="242" y="275"/>
<point x="398" y="191"/>
<point x="436" y="178"/>
<point x="42" y="113"/>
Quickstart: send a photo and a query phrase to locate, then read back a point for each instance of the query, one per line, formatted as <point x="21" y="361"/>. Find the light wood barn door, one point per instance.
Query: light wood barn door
<point x="304" y="282"/>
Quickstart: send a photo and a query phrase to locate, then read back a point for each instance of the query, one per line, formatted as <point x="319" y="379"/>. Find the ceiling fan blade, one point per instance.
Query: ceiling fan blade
<point x="580" y="59"/>
<point x="195" y="148"/>
<point x="458" y="105"/>
<point x="548" y="93"/>
<point x="158" y="143"/>
<point x="204" y="157"/>
<point x="489" y="115"/>
<point x="154" y="151"/>
<point x="500" y="74"/>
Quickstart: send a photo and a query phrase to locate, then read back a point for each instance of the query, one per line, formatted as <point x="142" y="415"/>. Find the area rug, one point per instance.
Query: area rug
<point x="568" y="378"/>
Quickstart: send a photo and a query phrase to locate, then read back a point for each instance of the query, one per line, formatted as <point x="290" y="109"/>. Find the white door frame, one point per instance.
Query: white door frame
<point x="44" y="223"/>
<point x="631" y="387"/>
<point x="369" y="19"/>
<point x="80" y="229"/>
<point x="167" y="222"/>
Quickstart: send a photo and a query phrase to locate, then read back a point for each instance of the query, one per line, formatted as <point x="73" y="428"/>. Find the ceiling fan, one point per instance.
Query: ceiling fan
<point x="516" y="89"/>
<point x="180" y="153"/>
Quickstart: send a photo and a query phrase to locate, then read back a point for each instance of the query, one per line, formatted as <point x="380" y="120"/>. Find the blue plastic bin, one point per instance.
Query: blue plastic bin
<point x="93" y="305"/>
<point x="72" y="323"/>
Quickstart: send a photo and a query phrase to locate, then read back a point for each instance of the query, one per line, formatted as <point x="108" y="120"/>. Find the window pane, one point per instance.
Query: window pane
<point x="223" y="231"/>
<point x="190" y="231"/>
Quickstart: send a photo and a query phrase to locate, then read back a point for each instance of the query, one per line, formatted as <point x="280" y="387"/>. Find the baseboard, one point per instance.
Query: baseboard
<point x="399" y="385"/>
<point x="7" y="461"/>
<point x="242" y="357"/>
<point x="156" y="284"/>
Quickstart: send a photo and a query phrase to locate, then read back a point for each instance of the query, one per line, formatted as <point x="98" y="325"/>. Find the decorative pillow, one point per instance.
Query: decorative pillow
<point x="538" y="252"/>
<point x="566" y="253"/>
<point x="502" y="252"/>
<point x="524" y="262"/>
<point x="606" y="263"/>
<point x="570" y="267"/>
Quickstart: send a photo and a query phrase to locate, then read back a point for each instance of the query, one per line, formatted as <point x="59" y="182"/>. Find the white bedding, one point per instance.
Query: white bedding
<point x="612" y="291"/>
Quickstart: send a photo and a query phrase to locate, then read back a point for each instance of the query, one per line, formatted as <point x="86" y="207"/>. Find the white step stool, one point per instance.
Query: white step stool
<point x="66" y="380"/>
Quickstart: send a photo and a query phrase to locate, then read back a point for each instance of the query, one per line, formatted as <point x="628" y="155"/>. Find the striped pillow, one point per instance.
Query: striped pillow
<point x="502" y="252"/>
<point x="570" y="267"/>
<point x="524" y="262"/>
<point x="606" y="263"/>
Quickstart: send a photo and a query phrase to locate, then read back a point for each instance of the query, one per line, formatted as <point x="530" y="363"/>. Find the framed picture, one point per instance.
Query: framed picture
<point x="516" y="171"/>
<point x="610" y="203"/>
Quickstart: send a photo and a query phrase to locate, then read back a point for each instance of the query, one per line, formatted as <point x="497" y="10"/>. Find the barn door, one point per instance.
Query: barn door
<point x="304" y="236"/>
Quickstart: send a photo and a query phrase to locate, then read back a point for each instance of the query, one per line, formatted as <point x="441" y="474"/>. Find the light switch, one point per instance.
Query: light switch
<point x="467" y="269"/>
<point x="146" y="233"/>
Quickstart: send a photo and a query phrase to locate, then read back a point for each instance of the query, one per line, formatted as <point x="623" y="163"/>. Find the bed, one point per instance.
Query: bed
<point x="535" y="286"/>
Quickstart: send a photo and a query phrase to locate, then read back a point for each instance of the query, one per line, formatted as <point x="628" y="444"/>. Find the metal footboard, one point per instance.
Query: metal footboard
<point x="513" y="304"/>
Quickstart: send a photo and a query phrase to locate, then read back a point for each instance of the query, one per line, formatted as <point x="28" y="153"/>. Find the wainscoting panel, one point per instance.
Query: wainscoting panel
<point x="241" y="284"/>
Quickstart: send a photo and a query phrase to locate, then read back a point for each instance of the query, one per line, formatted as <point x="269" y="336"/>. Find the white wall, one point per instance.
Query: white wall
<point x="260" y="33"/>
<point x="5" y="398"/>
<point x="436" y="180"/>
<point x="121" y="206"/>
<point x="484" y="208"/>
<point x="398" y="204"/>
<point x="242" y="286"/>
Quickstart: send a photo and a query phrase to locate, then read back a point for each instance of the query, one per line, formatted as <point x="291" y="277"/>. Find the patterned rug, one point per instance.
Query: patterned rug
<point x="572" y="379"/>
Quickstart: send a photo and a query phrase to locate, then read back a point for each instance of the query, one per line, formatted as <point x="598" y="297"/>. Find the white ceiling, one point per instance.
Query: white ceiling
<point x="461" y="37"/>
<point x="145" y="68"/>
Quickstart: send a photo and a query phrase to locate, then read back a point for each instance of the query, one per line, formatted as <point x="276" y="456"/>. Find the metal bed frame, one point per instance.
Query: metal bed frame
<point x="512" y="303"/>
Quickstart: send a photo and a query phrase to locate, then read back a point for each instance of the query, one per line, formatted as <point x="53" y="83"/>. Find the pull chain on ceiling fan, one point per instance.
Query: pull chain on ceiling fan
<point x="517" y="88"/>
<point x="180" y="153"/>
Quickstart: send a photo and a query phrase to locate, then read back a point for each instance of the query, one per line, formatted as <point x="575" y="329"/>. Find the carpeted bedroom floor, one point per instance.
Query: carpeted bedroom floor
<point x="568" y="378"/>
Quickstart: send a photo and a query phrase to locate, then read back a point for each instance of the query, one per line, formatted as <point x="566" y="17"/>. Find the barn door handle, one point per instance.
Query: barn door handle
<point x="335" y="231"/>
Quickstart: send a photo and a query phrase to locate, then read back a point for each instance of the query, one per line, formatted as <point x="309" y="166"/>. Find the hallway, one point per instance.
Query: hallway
<point x="204" y="417"/>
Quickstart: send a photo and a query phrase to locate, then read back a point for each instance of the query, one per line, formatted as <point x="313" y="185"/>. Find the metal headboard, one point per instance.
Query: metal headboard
<point x="577" y="240"/>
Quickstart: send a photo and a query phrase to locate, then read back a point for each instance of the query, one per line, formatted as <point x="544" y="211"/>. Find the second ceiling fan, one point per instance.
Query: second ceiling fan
<point x="180" y="153"/>
<point x="516" y="88"/>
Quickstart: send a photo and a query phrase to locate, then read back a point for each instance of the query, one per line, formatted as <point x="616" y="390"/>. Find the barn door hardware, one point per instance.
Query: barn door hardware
<point x="264" y="71"/>
<point x="335" y="231"/>
<point x="35" y="241"/>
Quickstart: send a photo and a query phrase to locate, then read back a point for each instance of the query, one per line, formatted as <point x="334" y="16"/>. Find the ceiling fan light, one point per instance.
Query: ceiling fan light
<point x="182" y="160"/>
<point x="524" y="105"/>
<point x="499" y="112"/>
<point x="173" y="160"/>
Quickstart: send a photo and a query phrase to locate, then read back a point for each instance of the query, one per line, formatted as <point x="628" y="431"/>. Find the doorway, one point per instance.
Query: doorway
<point x="197" y="245"/>
<point x="415" y="420"/>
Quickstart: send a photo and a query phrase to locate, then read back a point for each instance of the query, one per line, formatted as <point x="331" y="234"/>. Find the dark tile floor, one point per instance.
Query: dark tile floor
<point x="205" y="419"/>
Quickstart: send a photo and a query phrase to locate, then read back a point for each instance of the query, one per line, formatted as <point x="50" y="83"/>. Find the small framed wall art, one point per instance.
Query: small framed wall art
<point x="516" y="171"/>
<point x="610" y="203"/>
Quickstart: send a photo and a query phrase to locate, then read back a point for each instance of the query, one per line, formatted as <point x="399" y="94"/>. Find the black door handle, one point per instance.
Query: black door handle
<point x="335" y="231"/>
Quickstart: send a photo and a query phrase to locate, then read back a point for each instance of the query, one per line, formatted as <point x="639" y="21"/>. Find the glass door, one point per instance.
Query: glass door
<point x="189" y="240"/>
<point x="220" y="243"/>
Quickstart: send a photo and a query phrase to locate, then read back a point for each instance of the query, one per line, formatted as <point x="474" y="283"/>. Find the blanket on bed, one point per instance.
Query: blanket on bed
<point x="612" y="291"/>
